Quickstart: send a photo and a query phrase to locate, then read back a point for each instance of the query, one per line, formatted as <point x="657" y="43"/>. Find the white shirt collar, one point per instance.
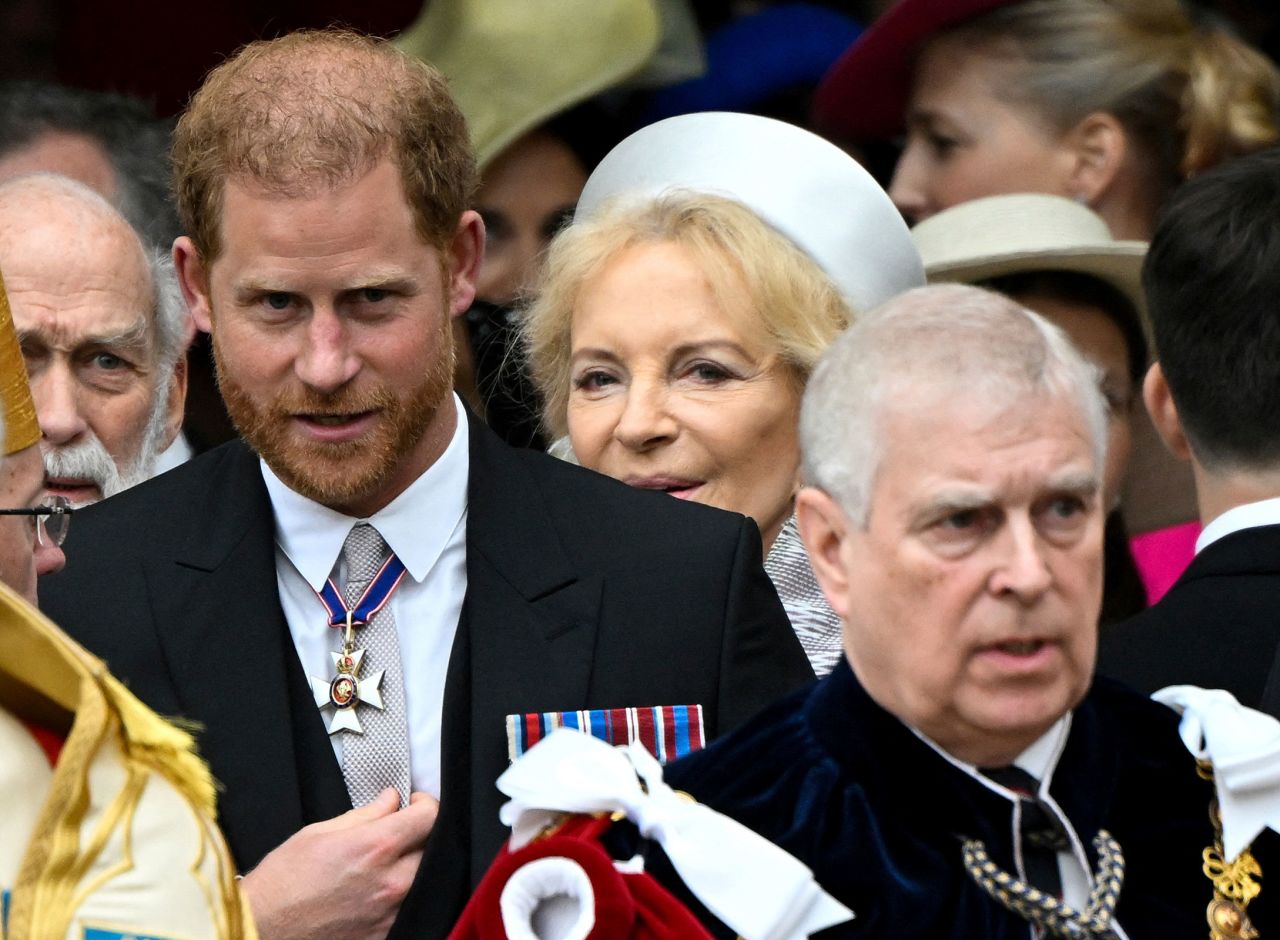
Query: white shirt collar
<point x="416" y="524"/>
<point x="1040" y="759"/>
<point x="1248" y="516"/>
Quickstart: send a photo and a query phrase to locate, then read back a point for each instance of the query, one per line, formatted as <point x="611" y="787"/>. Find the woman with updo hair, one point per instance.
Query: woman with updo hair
<point x="1108" y="102"/>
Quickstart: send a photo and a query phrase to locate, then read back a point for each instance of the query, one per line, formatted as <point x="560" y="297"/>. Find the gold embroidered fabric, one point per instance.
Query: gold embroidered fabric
<point x="127" y="822"/>
<point x="21" y="429"/>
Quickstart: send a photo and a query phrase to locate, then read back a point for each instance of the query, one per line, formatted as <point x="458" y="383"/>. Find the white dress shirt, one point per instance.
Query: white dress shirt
<point x="175" y="455"/>
<point x="426" y="527"/>
<point x="1040" y="760"/>
<point x="1247" y="516"/>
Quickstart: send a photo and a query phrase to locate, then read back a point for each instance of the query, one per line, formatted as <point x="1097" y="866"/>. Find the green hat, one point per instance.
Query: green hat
<point x="514" y="64"/>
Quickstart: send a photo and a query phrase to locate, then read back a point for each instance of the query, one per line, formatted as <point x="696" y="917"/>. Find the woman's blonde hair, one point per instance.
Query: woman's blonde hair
<point x="1190" y="97"/>
<point x="795" y="302"/>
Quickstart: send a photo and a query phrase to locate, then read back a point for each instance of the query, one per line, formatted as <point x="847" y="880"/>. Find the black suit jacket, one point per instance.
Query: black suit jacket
<point x="581" y="593"/>
<point x="1217" y="627"/>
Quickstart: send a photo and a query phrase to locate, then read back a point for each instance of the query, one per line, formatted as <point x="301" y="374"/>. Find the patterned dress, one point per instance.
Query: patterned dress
<point x="815" y="623"/>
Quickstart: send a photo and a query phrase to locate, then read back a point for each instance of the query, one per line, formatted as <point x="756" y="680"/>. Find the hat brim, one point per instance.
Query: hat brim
<point x="1120" y="266"/>
<point x="864" y="96"/>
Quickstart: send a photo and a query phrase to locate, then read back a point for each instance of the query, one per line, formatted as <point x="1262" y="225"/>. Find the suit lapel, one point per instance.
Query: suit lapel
<point x="233" y="663"/>
<point x="532" y="621"/>
<point x="525" y="643"/>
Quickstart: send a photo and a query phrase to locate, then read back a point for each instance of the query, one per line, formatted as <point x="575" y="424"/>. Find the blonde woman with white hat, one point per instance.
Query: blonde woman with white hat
<point x="712" y="259"/>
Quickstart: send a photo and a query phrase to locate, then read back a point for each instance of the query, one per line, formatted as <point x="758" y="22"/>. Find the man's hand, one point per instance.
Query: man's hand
<point x="344" y="877"/>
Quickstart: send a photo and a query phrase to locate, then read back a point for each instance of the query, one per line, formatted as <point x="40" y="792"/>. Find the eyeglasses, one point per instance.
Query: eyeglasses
<point x="51" y="519"/>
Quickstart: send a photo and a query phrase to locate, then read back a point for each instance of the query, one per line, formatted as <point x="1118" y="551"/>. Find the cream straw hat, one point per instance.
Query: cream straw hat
<point x="1022" y="232"/>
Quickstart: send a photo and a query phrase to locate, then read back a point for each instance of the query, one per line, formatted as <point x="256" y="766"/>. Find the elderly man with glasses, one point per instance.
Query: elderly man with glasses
<point x="30" y="534"/>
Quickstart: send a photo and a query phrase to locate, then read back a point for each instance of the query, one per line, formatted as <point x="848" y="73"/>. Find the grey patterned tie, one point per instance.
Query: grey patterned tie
<point x="378" y="758"/>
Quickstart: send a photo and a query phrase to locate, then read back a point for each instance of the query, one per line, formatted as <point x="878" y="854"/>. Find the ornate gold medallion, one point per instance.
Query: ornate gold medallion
<point x="346" y="690"/>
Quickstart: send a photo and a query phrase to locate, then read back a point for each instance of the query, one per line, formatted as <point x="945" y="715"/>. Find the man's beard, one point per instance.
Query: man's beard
<point x="89" y="460"/>
<point x="339" y="474"/>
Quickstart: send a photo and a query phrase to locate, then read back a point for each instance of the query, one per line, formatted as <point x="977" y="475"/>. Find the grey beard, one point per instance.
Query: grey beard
<point x="89" y="460"/>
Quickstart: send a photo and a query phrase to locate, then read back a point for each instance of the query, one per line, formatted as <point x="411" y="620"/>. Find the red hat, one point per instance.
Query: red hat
<point x="571" y="864"/>
<point x="864" y="95"/>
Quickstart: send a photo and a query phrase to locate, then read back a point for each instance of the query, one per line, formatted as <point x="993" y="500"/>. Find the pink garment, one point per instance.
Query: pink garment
<point x="1162" y="556"/>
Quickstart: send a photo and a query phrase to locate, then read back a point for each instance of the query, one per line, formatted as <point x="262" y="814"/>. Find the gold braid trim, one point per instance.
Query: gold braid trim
<point x="1045" y="910"/>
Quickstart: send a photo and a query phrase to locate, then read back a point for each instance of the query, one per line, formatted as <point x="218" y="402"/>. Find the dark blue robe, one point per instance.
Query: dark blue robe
<point x="880" y="816"/>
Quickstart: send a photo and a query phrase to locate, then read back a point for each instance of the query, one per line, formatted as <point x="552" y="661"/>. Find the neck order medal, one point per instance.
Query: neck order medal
<point x="346" y="689"/>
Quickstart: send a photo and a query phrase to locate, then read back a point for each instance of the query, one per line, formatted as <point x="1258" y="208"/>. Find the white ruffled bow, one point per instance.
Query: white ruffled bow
<point x="1244" y="746"/>
<point x="754" y="887"/>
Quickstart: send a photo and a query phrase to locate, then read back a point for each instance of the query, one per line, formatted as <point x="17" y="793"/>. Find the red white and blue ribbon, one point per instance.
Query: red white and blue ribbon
<point x="373" y="599"/>
<point x="665" y="731"/>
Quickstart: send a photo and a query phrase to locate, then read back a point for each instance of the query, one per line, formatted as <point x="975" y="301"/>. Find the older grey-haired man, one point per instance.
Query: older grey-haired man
<point x="103" y="329"/>
<point x="958" y="775"/>
<point x="112" y="143"/>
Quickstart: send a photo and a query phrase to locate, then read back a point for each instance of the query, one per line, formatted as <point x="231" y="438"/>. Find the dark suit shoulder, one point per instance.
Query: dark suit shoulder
<point x="684" y="602"/>
<point x="165" y="507"/>
<point x="129" y="556"/>
<point x="1216" y="627"/>
<point x="1160" y="810"/>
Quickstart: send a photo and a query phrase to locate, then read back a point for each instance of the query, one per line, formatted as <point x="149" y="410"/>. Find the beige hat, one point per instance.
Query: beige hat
<point x="805" y="187"/>
<point x="1022" y="232"/>
<point x="514" y="64"/>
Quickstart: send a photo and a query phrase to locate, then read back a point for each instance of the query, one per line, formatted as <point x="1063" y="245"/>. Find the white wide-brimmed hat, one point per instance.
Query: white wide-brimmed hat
<point x="805" y="187"/>
<point x="1023" y="232"/>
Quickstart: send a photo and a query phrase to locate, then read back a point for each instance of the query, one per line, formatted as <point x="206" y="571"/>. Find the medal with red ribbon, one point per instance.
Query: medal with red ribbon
<point x="347" y="689"/>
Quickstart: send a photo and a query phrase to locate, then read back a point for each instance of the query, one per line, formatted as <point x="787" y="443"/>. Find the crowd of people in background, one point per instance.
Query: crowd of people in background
<point x="860" y="417"/>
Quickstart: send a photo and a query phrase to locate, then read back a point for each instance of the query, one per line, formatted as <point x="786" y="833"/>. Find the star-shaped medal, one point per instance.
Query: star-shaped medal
<point x="346" y="690"/>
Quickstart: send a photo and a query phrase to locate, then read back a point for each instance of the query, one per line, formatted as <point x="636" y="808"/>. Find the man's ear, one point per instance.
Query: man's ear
<point x="466" y="254"/>
<point x="177" y="401"/>
<point x="824" y="529"/>
<point x="193" y="278"/>
<point x="1098" y="146"/>
<point x="1164" y="412"/>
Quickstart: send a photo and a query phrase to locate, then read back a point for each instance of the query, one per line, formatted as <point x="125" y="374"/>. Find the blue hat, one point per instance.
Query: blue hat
<point x="754" y="57"/>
